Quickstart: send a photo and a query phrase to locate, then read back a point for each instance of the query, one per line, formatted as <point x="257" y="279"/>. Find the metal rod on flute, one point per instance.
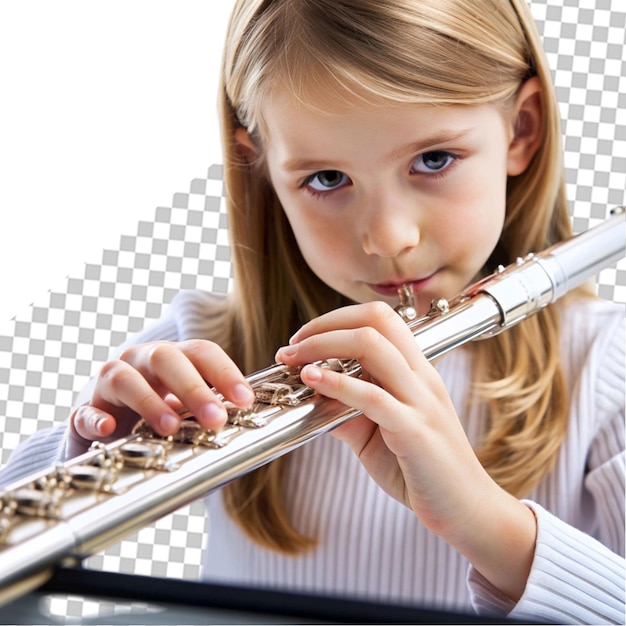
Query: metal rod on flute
<point x="66" y="513"/>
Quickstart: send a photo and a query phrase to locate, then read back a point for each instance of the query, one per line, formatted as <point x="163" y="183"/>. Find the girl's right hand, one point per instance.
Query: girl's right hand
<point x="152" y="381"/>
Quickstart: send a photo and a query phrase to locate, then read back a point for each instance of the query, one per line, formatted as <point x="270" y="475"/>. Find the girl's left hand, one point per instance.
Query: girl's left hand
<point x="409" y="437"/>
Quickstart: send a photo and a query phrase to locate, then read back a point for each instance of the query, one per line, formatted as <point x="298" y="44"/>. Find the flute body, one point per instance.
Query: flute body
<point x="68" y="512"/>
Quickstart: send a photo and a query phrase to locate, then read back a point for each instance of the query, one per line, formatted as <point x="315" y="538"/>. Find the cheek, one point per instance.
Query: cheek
<point x="314" y="231"/>
<point x="473" y="225"/>
<point x="319" y="244"/>
<point x="323" y="248"/>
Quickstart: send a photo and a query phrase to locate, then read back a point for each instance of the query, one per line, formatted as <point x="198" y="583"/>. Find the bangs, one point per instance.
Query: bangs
<point x="326" y="52"/>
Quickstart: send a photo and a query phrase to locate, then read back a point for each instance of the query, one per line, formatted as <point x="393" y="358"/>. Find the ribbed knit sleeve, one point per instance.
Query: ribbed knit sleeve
<point x="606" y="470"/>
<point x="574" y="580"/>
<point x="39" y="451"/>
<point x="576" y="576"/>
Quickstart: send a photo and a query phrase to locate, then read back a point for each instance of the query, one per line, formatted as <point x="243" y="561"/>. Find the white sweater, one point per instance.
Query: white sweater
<point x="372" y="547"/>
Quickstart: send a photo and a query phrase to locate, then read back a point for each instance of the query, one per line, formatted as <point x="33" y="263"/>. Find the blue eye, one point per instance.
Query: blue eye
<point x="326" y="180"/>
<point x="432" y="162"/>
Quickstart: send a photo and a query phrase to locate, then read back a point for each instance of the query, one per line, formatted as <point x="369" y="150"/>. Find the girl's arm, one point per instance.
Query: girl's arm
<point x="574" y="579"/>
<point x="577" y="576"/>
<point x="411" y="442"/>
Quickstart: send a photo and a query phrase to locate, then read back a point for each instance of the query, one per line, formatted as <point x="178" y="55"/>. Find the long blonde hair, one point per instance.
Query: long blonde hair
<point x="387" y="52"/>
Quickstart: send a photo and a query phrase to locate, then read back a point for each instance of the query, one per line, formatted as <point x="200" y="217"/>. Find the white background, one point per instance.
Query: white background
<point x="107" y="108"/>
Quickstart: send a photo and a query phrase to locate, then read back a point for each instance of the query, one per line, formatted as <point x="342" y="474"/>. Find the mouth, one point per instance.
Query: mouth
<point x="390" y="289"/>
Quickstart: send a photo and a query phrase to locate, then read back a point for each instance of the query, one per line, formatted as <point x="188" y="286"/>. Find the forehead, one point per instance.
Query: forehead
<point x="300" y="136"/>
<point x="320" y="106"/>
<point x="290" y="116"/>
<point x="320" y="97"/>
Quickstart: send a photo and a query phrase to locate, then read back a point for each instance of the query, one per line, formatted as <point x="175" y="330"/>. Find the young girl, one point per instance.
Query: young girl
<point x="369" y="144"/>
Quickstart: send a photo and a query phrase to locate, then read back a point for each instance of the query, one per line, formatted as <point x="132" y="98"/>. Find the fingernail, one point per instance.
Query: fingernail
<point x="168" y="423"/>
<point x="312" y="373"/>
<point x="286" y="351"/>
<point x="99" y="424"/>
<point x="213" y="414"/>
<point x="243" y="395"/>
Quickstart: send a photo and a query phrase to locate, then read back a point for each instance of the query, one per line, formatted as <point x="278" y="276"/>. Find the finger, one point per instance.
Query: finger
<point x="174" y="403"/>
<point x="183" y="370"/>
<point x="351" y="316"/>
<point x="378" y="357"/>
<point x="121" y="385"/>
<point x="402" y="426"/>
<point x="372" y="400"/>
<point x="92" y="423"/>
<point x="216" y="367"/>
<point x="188" y="370"/>
<point x="377" y="315"/>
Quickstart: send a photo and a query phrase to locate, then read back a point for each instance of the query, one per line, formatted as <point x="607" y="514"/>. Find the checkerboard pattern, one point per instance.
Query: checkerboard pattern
<point x="49" y="351"/>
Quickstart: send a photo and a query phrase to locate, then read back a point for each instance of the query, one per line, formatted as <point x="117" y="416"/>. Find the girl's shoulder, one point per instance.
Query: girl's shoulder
<point x="587" y="319"/>
<point x="195" y="300"/>
<point x="199" y="314"/>
<point x="192" y="314"/>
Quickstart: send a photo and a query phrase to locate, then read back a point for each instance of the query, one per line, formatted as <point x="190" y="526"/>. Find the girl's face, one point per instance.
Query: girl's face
<point x="378" y="197"/>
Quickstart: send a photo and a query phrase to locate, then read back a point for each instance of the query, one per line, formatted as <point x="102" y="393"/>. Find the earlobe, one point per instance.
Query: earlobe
<point x="528" y="124"/>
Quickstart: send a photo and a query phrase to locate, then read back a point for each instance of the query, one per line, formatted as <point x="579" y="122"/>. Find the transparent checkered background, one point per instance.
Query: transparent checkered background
<point x="48" y="352"/>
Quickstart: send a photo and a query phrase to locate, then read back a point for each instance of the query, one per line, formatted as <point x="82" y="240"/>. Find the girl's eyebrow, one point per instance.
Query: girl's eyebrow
<point x="428" y="143"/>
<point x="298" y="164"/>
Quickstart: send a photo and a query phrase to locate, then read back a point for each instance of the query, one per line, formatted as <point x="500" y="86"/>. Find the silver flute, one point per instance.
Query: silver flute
<point x="65" y="513"/>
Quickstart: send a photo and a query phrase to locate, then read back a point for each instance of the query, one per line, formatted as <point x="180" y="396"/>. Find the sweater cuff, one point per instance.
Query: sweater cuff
<point x="573" y="579"/>
<point x="70" y="447"/>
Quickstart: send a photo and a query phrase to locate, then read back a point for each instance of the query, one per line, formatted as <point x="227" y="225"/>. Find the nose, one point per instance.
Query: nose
<point x="390" y="227"/>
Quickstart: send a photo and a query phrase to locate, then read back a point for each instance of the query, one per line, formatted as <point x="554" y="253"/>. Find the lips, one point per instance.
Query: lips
<point x="390" y="289"/>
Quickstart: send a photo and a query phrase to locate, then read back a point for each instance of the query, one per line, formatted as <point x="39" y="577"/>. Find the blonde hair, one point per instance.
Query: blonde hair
<point x="388" y="53"/>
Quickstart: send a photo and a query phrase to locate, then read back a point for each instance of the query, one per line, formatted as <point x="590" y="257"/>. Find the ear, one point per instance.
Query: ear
<point x="528" y="123"/>
<point x="245" y="146"/>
